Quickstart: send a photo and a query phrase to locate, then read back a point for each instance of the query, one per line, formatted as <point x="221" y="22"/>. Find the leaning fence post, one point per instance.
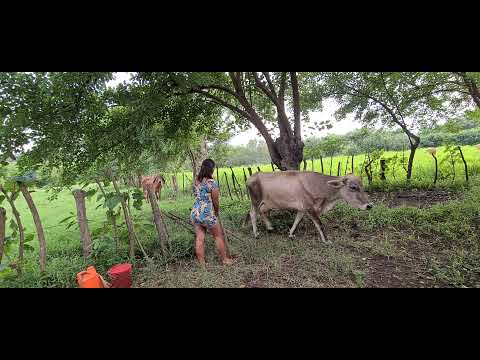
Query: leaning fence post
<point x="228" y="185"/>
<point x="464" y="162"/>
<point x="258" y="168"/>
<point x="249" y="171"/>
<point x="382" y="169"/>
<point x="338" y="170"/>
<point x="321" y="163"/>
<point x="234" y="180"/>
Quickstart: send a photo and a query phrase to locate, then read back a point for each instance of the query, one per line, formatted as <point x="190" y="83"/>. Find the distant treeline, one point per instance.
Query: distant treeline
<point x="364" y="140"/>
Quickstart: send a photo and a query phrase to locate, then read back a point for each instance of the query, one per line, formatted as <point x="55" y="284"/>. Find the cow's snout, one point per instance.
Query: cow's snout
<point x="369" y="206"/>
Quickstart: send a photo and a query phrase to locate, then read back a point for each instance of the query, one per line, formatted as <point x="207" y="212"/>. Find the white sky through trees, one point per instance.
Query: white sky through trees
<point x="329" y="107"/>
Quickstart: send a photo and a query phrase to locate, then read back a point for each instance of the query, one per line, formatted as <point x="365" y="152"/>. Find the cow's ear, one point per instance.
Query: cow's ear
<point x="337" y="184"/>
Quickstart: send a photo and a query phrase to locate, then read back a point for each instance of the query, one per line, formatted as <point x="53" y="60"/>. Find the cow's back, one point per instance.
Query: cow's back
<point x="298" y="190"/>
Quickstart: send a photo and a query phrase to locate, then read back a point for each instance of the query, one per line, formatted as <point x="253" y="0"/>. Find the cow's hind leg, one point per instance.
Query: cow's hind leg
<point x="298" y="218"/>
<point x="316" y="220"/>
<point x="266" y="220"/>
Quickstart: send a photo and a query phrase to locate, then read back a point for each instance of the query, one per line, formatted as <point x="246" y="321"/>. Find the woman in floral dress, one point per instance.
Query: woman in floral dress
<point x="204" y="215"/>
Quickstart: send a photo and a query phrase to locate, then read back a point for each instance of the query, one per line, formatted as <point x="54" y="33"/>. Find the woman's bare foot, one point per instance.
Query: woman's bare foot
<point x="201" y="264"/>
<point x="228" y="261"/>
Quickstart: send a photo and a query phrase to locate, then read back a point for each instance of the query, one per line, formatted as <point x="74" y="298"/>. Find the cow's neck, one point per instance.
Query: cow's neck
<point x="327" y="204"/>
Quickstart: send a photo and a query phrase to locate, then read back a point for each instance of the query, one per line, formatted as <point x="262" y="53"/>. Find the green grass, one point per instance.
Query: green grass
<point x="433" y="246"/>
<point x="423" y="170"/>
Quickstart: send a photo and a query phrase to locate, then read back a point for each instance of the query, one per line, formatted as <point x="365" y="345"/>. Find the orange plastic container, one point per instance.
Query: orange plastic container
<point x="89" y="279"/>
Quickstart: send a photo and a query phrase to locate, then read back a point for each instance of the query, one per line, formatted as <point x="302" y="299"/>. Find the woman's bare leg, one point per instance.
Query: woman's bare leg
<point x="200" y="244"/>
<point x="222" y="248"/>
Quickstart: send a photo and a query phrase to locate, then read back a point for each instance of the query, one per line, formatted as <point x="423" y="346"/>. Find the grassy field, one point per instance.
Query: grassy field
<point x="411" y="238"/>
<point x="423" y="169"/>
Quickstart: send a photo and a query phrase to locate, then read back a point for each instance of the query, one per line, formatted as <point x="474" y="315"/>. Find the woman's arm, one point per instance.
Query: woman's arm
<point x="216" y="200"/>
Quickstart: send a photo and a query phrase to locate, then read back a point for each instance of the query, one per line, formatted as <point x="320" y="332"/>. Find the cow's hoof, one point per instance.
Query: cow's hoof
<point x="290" y="236"/>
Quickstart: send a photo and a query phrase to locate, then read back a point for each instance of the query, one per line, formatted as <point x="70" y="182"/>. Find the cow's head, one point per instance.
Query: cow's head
<point x="351" y="190"/>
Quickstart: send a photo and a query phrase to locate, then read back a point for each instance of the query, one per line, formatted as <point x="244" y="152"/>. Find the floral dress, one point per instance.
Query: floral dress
<point x="203" y="211"/>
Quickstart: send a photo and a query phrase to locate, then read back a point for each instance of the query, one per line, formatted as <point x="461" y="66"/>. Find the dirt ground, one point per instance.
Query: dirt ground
<point x="420" y="199"/>
<point x="379" y="259"/>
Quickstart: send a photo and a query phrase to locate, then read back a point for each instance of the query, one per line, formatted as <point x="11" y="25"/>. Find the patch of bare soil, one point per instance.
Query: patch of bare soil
<point x="420" y="199"/>
<point x="389" y="272"/>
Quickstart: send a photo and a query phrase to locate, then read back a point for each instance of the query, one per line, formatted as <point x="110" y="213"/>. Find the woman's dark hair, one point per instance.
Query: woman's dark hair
<point x="206" y="171"/>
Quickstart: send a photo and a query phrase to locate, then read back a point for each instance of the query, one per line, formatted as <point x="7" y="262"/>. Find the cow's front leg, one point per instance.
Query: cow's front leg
<point x="253" y="219"/>
<point x="298" y="218"/>
<point x="316" y="220"/>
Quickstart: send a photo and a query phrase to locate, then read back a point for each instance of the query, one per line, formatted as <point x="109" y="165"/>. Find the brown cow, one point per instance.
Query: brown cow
<point x="154" y="182"/>
<point x="306" y="192"/>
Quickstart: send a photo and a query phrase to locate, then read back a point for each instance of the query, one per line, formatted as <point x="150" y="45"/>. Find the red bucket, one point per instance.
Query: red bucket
<point x="121" y="276"/>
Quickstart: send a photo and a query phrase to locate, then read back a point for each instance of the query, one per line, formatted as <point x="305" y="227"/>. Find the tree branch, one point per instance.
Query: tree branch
<point x="270" y="84"/>
<point x="222" y="102"/>
<point x="296" y="105"/>
<point x="271" y="95"/>
<point x="283" y="84"/>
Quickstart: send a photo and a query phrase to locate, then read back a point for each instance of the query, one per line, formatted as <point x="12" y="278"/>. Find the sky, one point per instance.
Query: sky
<point x="329" y="107"/>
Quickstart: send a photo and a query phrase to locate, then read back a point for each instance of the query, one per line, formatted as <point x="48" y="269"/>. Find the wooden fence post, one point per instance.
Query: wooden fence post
<point x="321" y="163"/>
<point x="3" y="220"/>
<point x="85" y="237"/>
<point x="383" y="167"/>
<point x="464" y="163"/>
<point x="228" y="185"/>
<point x="249" y="171"/>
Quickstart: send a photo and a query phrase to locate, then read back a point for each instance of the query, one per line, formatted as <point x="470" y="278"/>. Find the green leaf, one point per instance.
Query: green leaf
<point x="113" y="201"/>
<point x="29" y="237"/>
<point x="90" y="193"/>
<point x="3" y="267"/>
<point x="28" y="247"/>
<point x="4" y="163"/>
<point x="71" y="224"/>
<point x="66" y="219"/>
<point x="97" y="232"/>
<point x="99" y="197"/>
<point x="13" y="225"/>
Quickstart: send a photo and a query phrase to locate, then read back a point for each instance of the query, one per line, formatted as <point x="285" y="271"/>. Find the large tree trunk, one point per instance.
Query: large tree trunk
<point x="158" y="220"/>
<point x="3" y="219"/>
<point x="132" y="237"/>
<point x="79" y="196"/>
<point x="288" y="154"/>
<point x="38" y="226"/>
<point x="21" y="230"/>
<point x="472" y="87"/>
